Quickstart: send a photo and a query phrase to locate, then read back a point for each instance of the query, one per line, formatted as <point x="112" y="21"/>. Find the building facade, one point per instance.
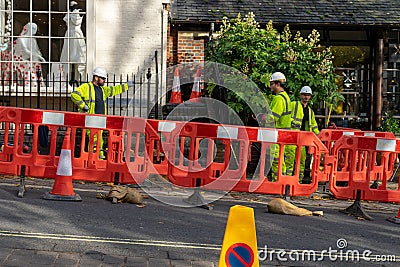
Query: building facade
<point x="69" y="38"/>
<point x="42" y="42"/>
<point x="49" y="47"/>
<point x="370" y="84"/>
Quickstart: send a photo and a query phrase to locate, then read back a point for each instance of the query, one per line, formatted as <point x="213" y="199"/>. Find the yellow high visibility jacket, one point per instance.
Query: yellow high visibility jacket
<point x="281" y="111"/>
<point x="297" y="117"/>
<point x="84" y="95"/>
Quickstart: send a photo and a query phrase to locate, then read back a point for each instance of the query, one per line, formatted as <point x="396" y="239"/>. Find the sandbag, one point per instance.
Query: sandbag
<point x="280" y="206"/>
<point x="124" y="194"/>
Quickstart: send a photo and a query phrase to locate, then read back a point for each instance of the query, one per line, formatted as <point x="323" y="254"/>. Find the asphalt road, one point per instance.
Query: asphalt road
<point x="161" y="231"/>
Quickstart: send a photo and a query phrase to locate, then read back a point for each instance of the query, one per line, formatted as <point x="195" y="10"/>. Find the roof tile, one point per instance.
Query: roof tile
<point x="354" y="12"/>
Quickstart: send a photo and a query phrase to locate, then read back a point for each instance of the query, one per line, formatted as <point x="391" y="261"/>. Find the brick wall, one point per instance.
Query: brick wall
<point x="185" y="47"/>
<point x="189" y="49"/>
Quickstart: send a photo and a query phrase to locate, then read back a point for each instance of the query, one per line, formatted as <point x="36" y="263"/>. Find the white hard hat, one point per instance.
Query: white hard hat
<point x="101" y="72"/>
<point x="278" y="76"/>
<point x="306" y="90"/>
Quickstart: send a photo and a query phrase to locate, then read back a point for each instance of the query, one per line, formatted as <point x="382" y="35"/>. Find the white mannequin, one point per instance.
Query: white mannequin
<point x="27" y="51"/>
<point x="74" y="49"/>
<point x="26" y="45"/>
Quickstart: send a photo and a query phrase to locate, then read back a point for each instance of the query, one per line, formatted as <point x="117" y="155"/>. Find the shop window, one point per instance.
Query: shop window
<point x="42" y="41"/>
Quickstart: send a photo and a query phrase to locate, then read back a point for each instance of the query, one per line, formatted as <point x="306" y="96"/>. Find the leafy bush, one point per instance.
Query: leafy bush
<point x="257" y="52"/>
<point x="390" y="124"/>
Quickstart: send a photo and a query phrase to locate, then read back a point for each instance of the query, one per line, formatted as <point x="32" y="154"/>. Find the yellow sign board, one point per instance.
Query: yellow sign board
<point x="239" y="247"/>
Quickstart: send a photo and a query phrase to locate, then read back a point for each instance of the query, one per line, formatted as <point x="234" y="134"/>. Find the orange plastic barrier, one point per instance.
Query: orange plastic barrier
<point x="215" y="154"/>
<point x="287" y="183"/>
<point x="161" y="146"/>
<point x="218" y="156"/>
<point x="329" y="137"/>
<point x="370" y="160"/>
<point x="11" y="144"/>
<point x="126" y="153"/>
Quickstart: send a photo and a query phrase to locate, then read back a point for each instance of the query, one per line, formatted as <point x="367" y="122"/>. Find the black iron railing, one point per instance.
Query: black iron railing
<point x="53" y="93"/>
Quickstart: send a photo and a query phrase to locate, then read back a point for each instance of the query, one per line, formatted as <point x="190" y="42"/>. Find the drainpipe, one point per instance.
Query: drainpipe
<point x="378" y="86"/>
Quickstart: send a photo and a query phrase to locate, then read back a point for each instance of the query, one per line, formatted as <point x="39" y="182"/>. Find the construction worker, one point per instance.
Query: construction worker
<point x="281" y="114"/>
<point x="303" y="119"/>
<point x="92" y="97"/>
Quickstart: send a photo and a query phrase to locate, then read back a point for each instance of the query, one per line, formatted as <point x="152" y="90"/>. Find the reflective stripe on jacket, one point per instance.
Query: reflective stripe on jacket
<point x="281" y="111"/>
<point x="297" y="117"/>
<point x="84" y="95"/>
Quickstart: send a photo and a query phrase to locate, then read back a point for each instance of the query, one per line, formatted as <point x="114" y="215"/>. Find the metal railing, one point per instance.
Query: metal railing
<point x="35" y="91"/>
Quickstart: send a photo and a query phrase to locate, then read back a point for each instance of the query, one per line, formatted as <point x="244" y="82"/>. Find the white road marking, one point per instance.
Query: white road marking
<point x="160" y="243"/>
<point x="99" y="239"/>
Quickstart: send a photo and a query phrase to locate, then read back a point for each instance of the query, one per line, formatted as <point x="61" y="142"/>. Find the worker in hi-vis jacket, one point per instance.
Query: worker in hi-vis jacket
<point x="303" y="119"/>
<point x="92" y="97"/>
<point x="281" y="114"/>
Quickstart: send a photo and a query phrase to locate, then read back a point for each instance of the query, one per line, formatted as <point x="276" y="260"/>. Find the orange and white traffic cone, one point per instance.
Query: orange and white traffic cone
<point x="62" y="188"/>
<point x="196" y="94"/>
<point x="396" y="219"/>
<point x="176" y="95"/>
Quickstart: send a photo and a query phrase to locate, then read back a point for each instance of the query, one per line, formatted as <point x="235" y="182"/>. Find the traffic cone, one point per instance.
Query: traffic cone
<point x="239" y="247"/>
<point x="62" y="188"/>
<point x="196" y="94"/>
<point x="176" y="95"/>
<point x="396" y="219"/>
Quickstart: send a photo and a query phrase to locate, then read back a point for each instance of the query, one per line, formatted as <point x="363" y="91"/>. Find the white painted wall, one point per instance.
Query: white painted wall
<point x="122" y="35"/>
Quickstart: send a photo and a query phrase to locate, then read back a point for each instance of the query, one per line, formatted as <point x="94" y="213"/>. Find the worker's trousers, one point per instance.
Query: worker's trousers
<point x="274" y="166"/>
<point x="305" y="161"/>
<point x="101" y="143"/>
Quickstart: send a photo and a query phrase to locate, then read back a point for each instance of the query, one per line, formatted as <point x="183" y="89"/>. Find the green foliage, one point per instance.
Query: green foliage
<point x="258" y="52"/>
<point x="390" y="124"/>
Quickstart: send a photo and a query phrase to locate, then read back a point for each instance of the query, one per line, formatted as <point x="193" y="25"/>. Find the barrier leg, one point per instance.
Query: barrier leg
<point x="287" y="193"/>
<point x="396" y="219"/>
<point x="116" y="182"/>
<point x="356" y="210"/>
<point x="323" y="188"/>
<point x="375" y="184"/>
<point x="21" y="189"/>
<point x="197" y="199"/>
